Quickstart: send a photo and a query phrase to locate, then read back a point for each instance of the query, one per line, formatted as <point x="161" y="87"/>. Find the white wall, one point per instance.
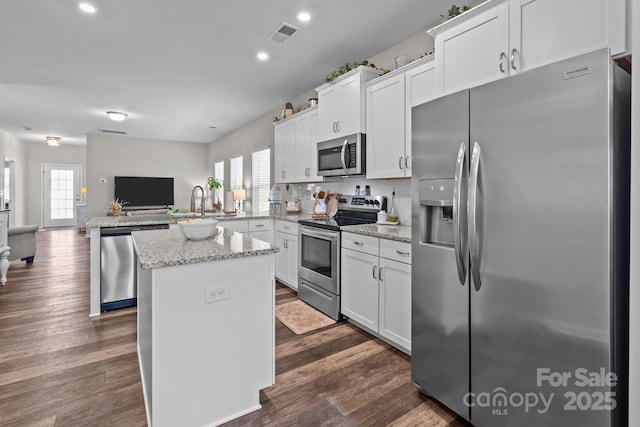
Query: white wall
<point x="634" y="281"/>
<point x="418" y="44"/>
<point x="246" y="139"/>
<point x="108" y="156"/>
<point x="12" y="147"/>
<point x="36" y="156"/>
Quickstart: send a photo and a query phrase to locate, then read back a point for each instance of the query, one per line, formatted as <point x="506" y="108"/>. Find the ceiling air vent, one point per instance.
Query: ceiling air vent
<point x="117" y="132"/>
<point x="283" y="32"/>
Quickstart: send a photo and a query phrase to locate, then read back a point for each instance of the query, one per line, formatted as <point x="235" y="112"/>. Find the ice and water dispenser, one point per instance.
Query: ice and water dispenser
<point x="436" y="211"/>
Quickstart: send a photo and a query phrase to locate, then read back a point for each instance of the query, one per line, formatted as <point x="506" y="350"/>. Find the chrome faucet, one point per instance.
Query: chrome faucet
<point x="192" y="207"/>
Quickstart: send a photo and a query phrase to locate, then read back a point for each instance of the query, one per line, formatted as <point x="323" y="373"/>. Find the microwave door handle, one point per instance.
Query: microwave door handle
<point x="344" y="152"/>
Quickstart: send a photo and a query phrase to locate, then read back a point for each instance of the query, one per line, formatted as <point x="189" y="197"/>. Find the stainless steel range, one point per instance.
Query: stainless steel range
<point x="319" y="251"/>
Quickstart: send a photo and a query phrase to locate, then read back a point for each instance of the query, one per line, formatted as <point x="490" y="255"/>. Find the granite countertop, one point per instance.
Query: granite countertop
<point x="123" y="221"/>
<point x="401" y="233"/>
<point x="165" y="248"/>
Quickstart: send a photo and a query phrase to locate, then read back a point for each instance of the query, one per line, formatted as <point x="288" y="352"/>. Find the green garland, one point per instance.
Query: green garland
<point x="348" y="67"/>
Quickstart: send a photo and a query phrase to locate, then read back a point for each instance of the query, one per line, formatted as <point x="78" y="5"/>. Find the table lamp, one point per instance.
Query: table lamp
<point x="238" y="195"/>
<point x="83" y="191"/>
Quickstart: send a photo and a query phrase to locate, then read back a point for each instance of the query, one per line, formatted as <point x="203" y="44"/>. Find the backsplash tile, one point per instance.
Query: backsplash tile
<point x="379" y="187"/>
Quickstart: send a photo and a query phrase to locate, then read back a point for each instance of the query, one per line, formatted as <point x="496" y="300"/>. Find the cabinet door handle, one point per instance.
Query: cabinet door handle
<point x="358" y="243"/>
<point x="514" y="51"/>
<point x="380" y="273"/>
<point x="503" y="56"/>
<point x="259" y="225"/>
<point x="338" y="125"/>
<point x="286" y="227"/>
<point x="403" y="253"/>
<point x="406" y="162"/>
<point x="374" y="271"/>
<point x="307" y="172"/>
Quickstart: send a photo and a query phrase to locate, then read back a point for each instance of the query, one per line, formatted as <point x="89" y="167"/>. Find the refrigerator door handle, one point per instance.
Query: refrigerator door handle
<point x="474" y="241"/>
<point x="459" y="237"/>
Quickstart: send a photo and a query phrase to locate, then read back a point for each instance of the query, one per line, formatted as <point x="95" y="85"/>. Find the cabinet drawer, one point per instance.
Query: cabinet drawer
<point x="235" y="225"/>
<point x="397" y="251"/>
<point x="260" y="224"/>
<point x="287" y="227"/>
<point x="358" y="242"/>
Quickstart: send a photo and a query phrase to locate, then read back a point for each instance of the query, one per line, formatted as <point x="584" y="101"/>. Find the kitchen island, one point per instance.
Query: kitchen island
<point x="206" y="331"/>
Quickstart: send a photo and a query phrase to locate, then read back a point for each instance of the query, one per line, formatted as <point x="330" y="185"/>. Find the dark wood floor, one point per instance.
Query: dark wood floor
<point x="58" y="367"/>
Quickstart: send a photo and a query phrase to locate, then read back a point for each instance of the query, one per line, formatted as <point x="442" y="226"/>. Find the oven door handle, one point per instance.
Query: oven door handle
<point x="327" y="235"/>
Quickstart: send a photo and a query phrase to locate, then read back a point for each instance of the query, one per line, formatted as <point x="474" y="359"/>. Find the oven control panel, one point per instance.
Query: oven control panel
<point x="374" y="203"/>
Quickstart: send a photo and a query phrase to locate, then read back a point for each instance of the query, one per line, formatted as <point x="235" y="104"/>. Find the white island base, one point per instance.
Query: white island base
<point x="203" y="363"/>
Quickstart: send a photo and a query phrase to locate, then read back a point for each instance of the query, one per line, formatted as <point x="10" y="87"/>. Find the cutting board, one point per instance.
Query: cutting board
<point x="332" y="206"/>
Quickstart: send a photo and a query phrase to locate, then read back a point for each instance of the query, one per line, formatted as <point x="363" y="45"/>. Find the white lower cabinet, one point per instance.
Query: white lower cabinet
<point x="360" y="288"/>
<point x="395" y="302"/>
<point x="286" y="239"/>
<point x="376" y="287"/>
<point x="262" y="229"/>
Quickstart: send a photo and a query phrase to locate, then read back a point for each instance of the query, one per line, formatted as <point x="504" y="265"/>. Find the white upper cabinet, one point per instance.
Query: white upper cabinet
<point x="285" y="151"/>
<point x="389" y="102"/>
<point x="341" y="110"/>
<point x="473" y="51"/>
<point x="545" y="31"/>
<point x="306" y="149"/>
<point x="502" y="37"/>
<point x="386" y="115"/>
<point x="295" y="157"/>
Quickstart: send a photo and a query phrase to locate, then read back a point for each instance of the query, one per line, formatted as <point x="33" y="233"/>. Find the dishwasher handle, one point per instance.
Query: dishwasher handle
<point x="127" y="230"/>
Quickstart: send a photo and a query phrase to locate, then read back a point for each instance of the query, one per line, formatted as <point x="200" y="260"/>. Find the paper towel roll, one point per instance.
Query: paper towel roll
<point x="229" y="205"/>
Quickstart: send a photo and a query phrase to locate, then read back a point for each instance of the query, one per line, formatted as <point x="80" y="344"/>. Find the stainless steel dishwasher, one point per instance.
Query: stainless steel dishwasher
<point x="118" y="266"/>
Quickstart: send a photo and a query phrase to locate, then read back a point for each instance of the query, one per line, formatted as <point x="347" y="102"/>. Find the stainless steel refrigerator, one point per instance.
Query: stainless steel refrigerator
<point x="520" y="238"/>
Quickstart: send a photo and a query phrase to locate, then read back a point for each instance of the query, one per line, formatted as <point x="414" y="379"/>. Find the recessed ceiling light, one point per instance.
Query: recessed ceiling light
<point x="116" y="116"/>
<point x="262" y="56"/>
<point x="53" y="141"/>
<point x="87" y="7"/>
<point x="304" y="16"/>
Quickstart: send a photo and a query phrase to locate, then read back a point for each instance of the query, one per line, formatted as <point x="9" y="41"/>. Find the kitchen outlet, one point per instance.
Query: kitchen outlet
<point x="103" y="180"/>
<point x="217" y="293"/>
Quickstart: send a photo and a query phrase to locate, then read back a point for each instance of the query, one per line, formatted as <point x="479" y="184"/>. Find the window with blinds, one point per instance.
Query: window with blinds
<point x="235" y="173"/>
<point x="218" y="173"/>
<point x="260" y="179"/>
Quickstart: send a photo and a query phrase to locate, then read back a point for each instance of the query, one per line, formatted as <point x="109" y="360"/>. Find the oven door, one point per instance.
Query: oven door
<point x="319" y="257"/>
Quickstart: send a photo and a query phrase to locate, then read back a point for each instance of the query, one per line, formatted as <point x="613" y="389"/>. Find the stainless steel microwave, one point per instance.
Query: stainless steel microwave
<point x="342" y="156"/>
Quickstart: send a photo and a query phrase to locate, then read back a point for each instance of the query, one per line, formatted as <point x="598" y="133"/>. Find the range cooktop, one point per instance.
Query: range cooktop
<point x="352" y="210"/>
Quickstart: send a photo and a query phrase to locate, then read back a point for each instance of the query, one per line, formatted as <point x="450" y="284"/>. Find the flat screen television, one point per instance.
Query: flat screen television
<point x="143" y="191"/>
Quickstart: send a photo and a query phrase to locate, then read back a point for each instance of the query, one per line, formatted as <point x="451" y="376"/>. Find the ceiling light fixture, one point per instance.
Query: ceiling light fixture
<point x="87" y="7"/>
<point x="304" y="17"/>
<point x="262" y="56"/>
<point x="53" y="141"/>
<point x="117" y="116"/>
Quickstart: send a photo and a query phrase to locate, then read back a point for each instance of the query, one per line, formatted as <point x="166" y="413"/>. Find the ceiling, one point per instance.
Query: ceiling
<point x="179" y="67"/>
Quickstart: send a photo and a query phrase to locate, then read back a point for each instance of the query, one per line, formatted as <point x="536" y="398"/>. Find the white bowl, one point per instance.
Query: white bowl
<point x="197" y="228"/>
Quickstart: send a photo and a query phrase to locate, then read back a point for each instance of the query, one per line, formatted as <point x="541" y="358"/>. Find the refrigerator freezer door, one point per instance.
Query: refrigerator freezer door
<point x="544" y="242"/>
<point x="440" y="303"/>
